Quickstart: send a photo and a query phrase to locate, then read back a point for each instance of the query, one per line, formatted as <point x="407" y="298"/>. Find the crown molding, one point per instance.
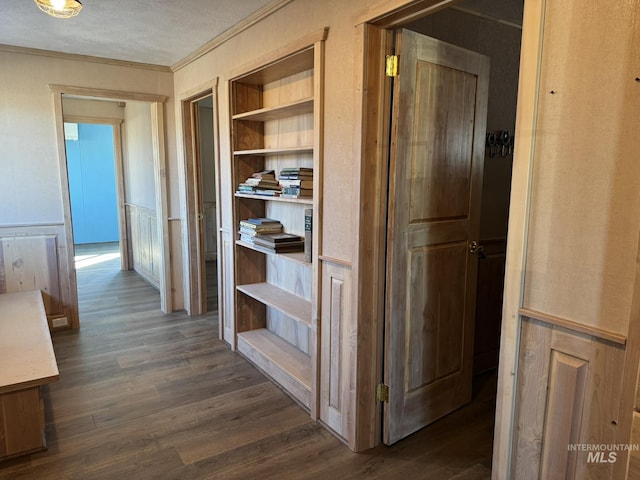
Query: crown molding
<point x="83" y="58"/>
<point x="227" y="35"/>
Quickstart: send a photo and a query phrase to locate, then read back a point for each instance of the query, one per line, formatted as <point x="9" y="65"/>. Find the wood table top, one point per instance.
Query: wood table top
<point x="26" y="351"/>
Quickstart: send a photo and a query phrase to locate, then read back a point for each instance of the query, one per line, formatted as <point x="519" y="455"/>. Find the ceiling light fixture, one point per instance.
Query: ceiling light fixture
<point x="60" y="8"/>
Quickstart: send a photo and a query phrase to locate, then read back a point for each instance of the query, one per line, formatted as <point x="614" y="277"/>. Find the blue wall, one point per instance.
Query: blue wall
<point x="92" y="185"/>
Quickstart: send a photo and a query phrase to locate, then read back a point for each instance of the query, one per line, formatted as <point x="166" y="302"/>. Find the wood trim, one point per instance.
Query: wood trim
<point x="392" y="14"/>
<point x="195" y="302"/>
<point x="192" y="303"/>
<point x="369" y="269"/>
<point x="567" y="389"/>
<point x="289" y="49"/>
<point x="103" y="93"/>
<point x="315" y="342"/>
<point x="160" y="180"/>
<point x="334" y="261"/>
<point x="31" y="225"/>
<point x="92" y="120"/>
<point x="74" y="321"/>
<point x="486" y="17"/>
<point x="227" y="35"/>
<point x="83" y="58"/>
<point x="520" y="207"/>
<point x="574" y="326"/>
<point x="630" y="394"/>
<point x="120" y="194"/>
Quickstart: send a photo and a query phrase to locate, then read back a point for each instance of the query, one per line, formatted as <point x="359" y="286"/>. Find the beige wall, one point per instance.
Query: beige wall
<point x="138" y="156"/>
<point x="585" y="213"/>
<point x="30" y="187"/>
<point x="92" y="108"/>
<point x="29" y="149"/>
<point x="290" y="23"/>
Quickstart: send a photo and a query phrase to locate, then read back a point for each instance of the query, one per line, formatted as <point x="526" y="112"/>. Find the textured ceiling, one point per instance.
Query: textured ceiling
<point x="160" y="32"/>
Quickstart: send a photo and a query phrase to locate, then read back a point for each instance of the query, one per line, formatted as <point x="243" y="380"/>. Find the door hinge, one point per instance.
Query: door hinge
<point x="382" y="392"/>
<point x="391" y="68"/>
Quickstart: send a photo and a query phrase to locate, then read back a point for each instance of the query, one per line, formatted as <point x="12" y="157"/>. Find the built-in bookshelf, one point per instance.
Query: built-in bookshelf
<point x="275" y="110"/>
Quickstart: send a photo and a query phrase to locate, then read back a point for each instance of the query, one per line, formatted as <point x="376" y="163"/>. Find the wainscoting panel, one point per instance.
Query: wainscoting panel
<point x="569" y="386"/>
<point x="144" y="251"/>
<point x="338" y="349"/>
<point x="35" y="258"/>
<point x="227" y="308"/>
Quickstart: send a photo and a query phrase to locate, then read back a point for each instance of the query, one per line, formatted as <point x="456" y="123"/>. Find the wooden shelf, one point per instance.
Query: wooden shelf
<point x="285" y="67"/>
<point x="280" y="111"/>
<point x="277" y="107"/>
<point x="306" y="200"/>
<point x="275" y="151"/>
<point x="291" y="305"/>
<point x="292" y="256"/>
<point x="281" y="361"/>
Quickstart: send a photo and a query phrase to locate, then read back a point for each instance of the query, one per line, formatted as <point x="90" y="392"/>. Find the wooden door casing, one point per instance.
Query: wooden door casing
<point x="438" y="129"/>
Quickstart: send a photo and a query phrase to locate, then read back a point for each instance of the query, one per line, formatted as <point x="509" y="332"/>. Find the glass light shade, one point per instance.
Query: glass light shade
<point x="60" y="8"/>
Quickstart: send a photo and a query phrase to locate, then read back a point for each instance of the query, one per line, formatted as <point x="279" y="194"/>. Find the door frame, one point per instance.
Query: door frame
<point x="373" y="28"/>
<point x="116" y="124"/>
<point x="159" y="162"/>
<point x="195" y="286"/>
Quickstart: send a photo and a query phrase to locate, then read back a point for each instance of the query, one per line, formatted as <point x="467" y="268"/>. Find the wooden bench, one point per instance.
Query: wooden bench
<point x="27" y="361"/>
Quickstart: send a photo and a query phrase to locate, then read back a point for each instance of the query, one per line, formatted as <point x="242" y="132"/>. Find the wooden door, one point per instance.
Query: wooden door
<point x="437" y="151"/>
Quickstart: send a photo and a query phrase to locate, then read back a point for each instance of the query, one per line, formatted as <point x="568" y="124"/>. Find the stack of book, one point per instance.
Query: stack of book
<point x="252" y="227"/>
<point x="296" y="182"/>
<point x="261" y="183"/>
<point x="280" y="242"/>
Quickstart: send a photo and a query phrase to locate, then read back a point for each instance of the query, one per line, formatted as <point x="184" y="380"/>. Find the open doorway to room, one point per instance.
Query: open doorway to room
<point x="131" y="174"/>
<point x="91" y="164"/>
<point x="492" y="28"/>
<point x="199" y="114"/>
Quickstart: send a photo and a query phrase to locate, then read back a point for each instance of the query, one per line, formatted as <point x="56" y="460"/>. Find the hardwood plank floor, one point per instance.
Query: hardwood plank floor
<point x="144" y="395"/>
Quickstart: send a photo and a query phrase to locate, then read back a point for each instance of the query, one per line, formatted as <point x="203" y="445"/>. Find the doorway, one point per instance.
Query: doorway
<point x="199" y="116"/>
<point x="475" y="26"/>
<point x="149" y="107"/>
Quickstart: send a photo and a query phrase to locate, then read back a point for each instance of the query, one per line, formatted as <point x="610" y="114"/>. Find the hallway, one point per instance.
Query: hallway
<point x="144" y="395"/>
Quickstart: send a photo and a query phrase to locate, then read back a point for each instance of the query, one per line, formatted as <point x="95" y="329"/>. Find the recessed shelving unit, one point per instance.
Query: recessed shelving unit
<point x="276" y="115"/>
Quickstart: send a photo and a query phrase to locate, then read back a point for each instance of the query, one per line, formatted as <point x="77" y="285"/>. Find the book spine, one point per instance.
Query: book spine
<point x="308" y="233"/>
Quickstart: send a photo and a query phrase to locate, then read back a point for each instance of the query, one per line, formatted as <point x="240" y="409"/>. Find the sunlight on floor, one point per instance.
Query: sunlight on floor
<point x="88" y="260"/>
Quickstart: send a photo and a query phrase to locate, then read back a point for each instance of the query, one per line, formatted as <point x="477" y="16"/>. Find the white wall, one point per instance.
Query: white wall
<point x="138" y="156"/>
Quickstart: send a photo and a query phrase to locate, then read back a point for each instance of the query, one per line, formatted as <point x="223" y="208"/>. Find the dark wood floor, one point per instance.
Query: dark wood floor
<point x="144" y="395"/>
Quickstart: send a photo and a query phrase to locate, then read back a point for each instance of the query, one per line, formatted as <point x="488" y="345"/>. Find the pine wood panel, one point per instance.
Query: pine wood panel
<point x="272" y="296"/>
<point x="21" y="422"/>
<point x="295" y="107"/>
<point x="567" y="382"/>
<point x="227" y="309"/>
<point x="26" y="352"/>
<point x="287" y="365"/>
<point x="568" y="391"/>
<point x="31" y="263"/>
<point x="338" y="353"/>
<point x="143" y="242"/>
<point x="634" y="457"/>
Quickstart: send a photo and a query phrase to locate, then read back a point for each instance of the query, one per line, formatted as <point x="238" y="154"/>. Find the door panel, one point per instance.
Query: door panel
<point x="438" y="130"/>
